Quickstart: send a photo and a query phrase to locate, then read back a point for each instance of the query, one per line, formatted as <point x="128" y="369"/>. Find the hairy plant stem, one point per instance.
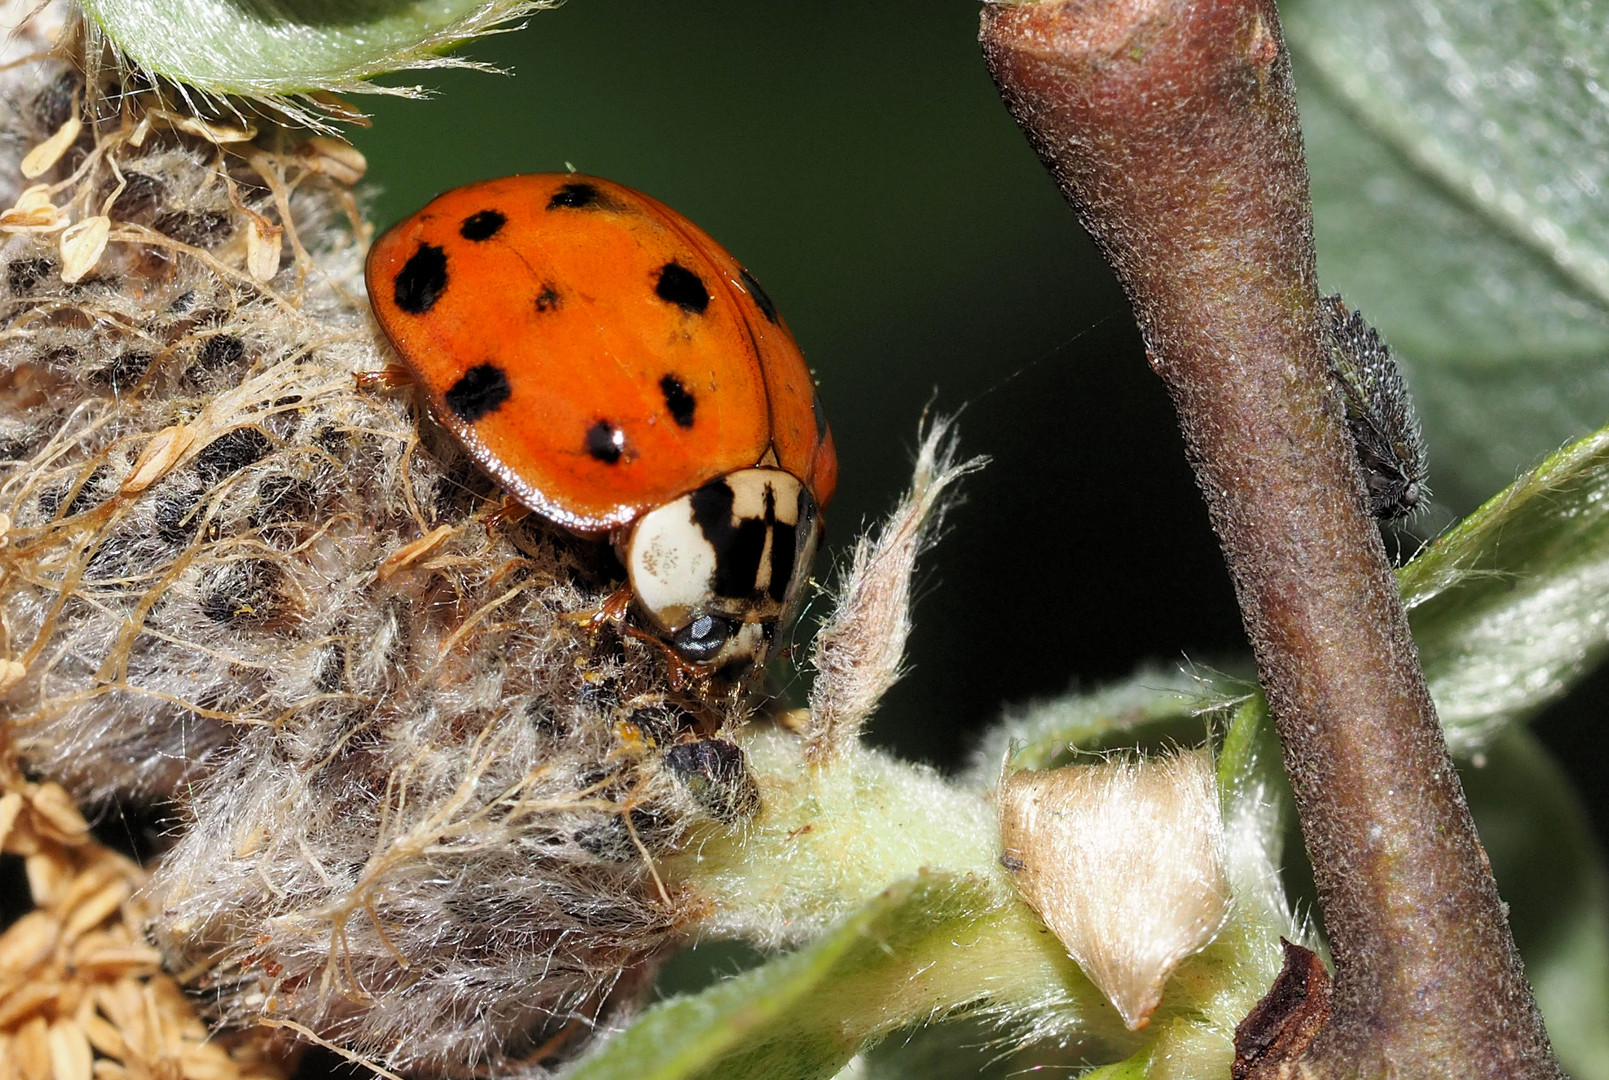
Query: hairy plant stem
<point x="1171" y="127"/>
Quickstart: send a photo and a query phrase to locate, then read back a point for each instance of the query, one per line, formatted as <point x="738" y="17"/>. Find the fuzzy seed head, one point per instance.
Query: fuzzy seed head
<point x="412" y="802"/>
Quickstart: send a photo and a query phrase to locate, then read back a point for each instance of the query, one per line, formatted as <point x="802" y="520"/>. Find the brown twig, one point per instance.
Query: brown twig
<point x="1171" y="127"/>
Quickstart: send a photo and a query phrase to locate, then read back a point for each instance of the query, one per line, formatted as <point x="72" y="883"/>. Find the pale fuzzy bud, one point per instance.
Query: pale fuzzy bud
<point x="1124" y="860"/>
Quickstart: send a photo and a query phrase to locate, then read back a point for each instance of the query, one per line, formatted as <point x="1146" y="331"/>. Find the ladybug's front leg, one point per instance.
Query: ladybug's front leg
<point x="615" y="611"/>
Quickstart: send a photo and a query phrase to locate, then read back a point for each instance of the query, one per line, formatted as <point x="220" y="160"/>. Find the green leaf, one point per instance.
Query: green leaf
<point x="1553" y="878"/>
<point x="1508" y="607"/>
<point x="273" y="49"/>
<point x="805" y="1014"/>
<point x="1149" y="702"/>
<point x="1459" y="151"/>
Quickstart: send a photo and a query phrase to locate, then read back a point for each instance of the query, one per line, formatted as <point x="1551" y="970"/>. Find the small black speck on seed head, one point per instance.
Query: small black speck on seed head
<point x="220" y="351"/>
<point x="573" y="197"/>
<point x="481" y="225"/>
<point x="246" y="592"/>
<point x="480" y="391"/>
<point x="22" y="275"/>
<point x="604" y="442"/>
<point x="231" y="452"/>
<point x="142" y="194"/>
<point x="199" y="228"/>
<point x="53" y="104"/>
<point x="548" y="299"/>
<point x="761" y="297"/>
<point x="680" y="403"/>
<point x="421" y="281"/>
<point x="125" y="370"/>
<point x="680" y="286"/>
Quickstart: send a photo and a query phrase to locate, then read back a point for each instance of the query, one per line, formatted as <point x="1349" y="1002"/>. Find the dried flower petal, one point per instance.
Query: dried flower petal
<point x="11" y="673"/>
<point x="43" y="157"/>
<point x="335" y="158"/>
<point x="82" y="245"/>
<point x="70" y="1055"/>
<point x="264" y="241"/>
<point x="159" y="455"/>
<point x="33" y="212"/>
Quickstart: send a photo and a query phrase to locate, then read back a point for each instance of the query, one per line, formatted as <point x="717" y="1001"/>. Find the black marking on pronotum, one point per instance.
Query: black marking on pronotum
<point x="422" y="280"/>
<point x="479" y="391"/>
<point x="573" y="197"/>
<point x="604" y="442"/>
<point x="739" y="545"/>
<point x="1379" y="414"/>
<point x="761" y="297"/>
<point x="481" y="225"/>
<point x="680" y="286"/>
<point x="548" y="299"/>
<point x="680" y="403"/>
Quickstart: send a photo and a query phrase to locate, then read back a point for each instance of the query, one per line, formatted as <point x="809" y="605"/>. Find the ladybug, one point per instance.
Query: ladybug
<point x="622" y="375"/>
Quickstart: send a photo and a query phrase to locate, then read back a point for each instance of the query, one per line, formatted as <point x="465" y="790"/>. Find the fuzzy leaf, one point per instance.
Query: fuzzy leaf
<point x="803" y="1015"/>
<point x="1553" y="878"/>
<point x="272" y="49"/>
<point x="1512" y="605"/>
<point x="1459" y="150"/>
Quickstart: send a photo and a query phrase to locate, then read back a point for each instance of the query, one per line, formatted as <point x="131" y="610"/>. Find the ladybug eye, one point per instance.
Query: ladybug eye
<point x="702" y="638"/>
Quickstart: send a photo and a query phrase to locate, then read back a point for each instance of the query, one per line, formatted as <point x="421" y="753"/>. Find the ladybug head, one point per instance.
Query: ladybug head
<point x="720" y="571"/>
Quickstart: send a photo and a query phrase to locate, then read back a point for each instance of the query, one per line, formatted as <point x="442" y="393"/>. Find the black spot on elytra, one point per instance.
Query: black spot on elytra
<point x="603" y="442"/>
<point x="481" y="225"/>
<point x="680" y="286"/>
<point x="548" y="299"/>
<point x="820" y="414"/>
<point x="479" y="391"/>
<point x="231" y="452"/>
<point x="573" y="197"/>
<point x="680" y="403"/>
<point x="220" y="351"/>
<point x="23" y="275"/>
<point x="761" y="297"/>
<point x="421" y="281"/>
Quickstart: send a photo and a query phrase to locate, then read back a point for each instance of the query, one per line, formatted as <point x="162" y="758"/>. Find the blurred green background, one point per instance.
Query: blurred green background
<point x="857" y="158"/>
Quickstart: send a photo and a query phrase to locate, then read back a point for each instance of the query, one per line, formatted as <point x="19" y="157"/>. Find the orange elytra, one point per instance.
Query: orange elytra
<point x="618" y="372"/>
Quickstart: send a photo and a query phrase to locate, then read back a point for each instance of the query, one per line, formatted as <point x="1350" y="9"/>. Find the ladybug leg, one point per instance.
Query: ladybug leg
<point x="508" y="511"/>
<point x="387" y="378"/>
<point x="615" y="611"/>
